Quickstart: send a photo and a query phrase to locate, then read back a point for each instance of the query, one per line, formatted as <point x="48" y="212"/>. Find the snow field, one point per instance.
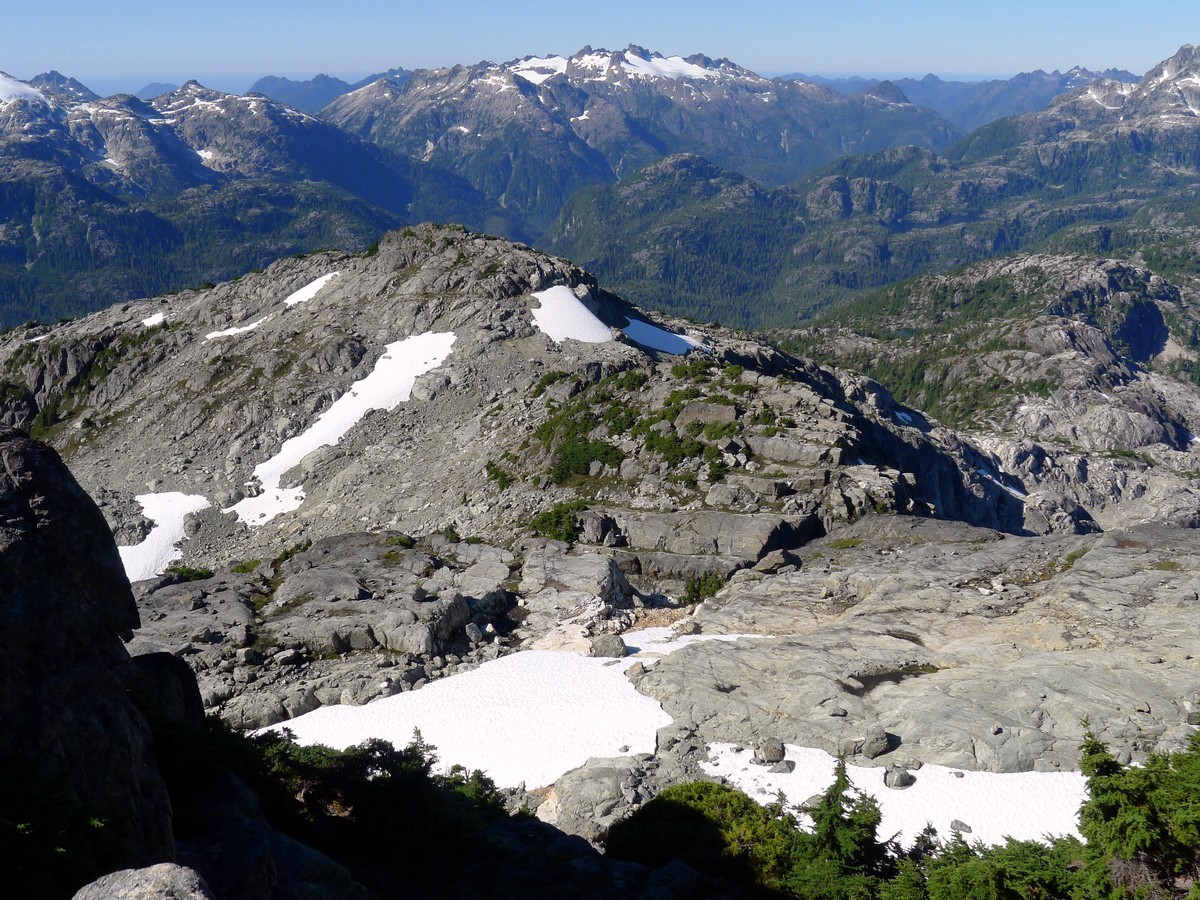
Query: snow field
<point x="1021" y="805"/>
<point x="674" y="67"/>
<point x="530" y="717"/>
<point x="389" y="383"/>
<point x="535" y="715"/>
<point x="157" y="319"/>
<point x="167" y="511"/>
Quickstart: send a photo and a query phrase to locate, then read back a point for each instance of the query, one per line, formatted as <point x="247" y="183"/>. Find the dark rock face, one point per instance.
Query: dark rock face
<point x="64" y="605"/>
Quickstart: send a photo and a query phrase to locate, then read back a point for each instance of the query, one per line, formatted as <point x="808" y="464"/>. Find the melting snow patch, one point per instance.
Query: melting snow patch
<point x="205" y="155"/>
<point x="562" y="315"/>
<point x="904" y="417"/>
<point x="1021" y="805"/>
<point x="167" y="511"/>
<point x="659" y="338"/>
<point x="157" y="319"/>
<point x="530" y="717"/>
<point x="310" y="290"/>
<point x="390" y="383"/>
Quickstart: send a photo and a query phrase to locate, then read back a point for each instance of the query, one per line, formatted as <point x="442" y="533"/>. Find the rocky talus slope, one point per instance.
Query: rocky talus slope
<point x="917" y="594"/>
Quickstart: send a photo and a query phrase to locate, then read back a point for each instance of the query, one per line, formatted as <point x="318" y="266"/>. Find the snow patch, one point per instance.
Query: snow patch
<point x="205" y="155"/>
<point x="537" y="70"/>
<point x="157" y="319"/>
<point x="673" y="67"/>
<point x="1022" y="805"/>
<point x="389" y="383"/>
<point x="228" y="332"/>
<point x="310" y="290"/>
<point x="659" y="338"/>
<point x="562" y="315"/>
<point x="529" y="717"/>
<point x="154" y="554"/>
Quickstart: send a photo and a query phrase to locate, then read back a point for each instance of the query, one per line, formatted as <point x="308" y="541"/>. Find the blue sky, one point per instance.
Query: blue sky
<point x="228" y="45"/>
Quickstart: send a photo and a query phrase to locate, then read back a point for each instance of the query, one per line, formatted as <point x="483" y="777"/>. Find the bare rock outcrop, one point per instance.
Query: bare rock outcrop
<point x="65" y="604"/>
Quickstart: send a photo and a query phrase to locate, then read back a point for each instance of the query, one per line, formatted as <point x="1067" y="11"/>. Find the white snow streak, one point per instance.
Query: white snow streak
<point x="167" y="511"/>
<point x="390" y="383"/>
<point x="310" y="290"/>
<point x="228" y="332"/>
<point x="157" y="319"/>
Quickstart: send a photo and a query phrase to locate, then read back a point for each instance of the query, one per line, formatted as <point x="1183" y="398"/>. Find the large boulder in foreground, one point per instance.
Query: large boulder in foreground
<point x="65" y="604"/>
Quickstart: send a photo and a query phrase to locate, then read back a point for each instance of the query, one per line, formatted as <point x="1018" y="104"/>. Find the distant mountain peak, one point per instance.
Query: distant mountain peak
<point x="888" y="92"/>
<point x="56" y="84"/>
<point x="634" y="61"/>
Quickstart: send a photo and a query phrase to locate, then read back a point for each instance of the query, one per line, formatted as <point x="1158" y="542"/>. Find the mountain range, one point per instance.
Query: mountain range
<point x="1105" y="168"/>
<point x="972" y="104"/>
<point x="503" y="147"/>
<point x="111" y="199"/>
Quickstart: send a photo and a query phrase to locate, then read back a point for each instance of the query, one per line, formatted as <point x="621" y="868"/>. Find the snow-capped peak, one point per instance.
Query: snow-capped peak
<point x="632" y="62"/>
<point x="12" y="90"/>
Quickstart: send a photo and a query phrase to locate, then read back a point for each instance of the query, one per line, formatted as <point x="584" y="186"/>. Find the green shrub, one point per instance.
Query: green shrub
<point x="717" y="430"/>
<point x="697" y="368"/>
<point x="246" y="566"/>
<point x="631" y="380"/>
<point x="291" y="551"/>
<point x="699" y="587"/>
<point x="501" y="477"/>
<point x="560" y="522"/>
<point x="189" y="573"/>
<point x="548" y="379"/>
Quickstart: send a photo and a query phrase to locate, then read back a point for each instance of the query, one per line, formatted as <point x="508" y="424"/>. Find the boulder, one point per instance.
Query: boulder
<point x="770" y="751"/>
<point x="608" y="645"/>
<point x="165" y="881"/>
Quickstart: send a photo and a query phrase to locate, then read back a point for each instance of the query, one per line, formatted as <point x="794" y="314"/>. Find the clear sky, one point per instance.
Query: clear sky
<point x="229" y="45"/>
